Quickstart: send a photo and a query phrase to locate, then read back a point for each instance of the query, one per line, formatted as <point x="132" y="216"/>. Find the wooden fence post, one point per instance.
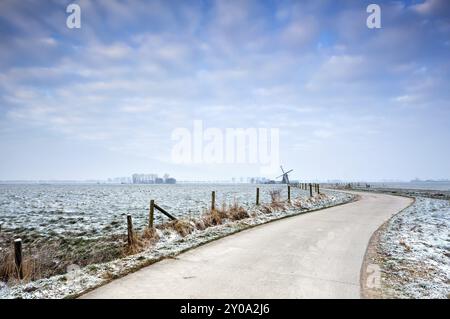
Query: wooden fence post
<point x="289" y="193"/>
<point x="318" y="188"/>
<point x="257" y="196"/>
<point x="130" y="230"/>
<point x="213" y="200"/>
<point x="18" y="257"/>
<point x="151" y="213"/>
<point x="310" y="190"/>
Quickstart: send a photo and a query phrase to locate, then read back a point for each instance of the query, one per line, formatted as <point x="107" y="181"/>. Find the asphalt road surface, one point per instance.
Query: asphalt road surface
<point x="316" y="255"/>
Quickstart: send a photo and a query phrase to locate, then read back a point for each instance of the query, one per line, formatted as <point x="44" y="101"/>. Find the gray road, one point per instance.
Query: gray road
<point x="317" y="255"/>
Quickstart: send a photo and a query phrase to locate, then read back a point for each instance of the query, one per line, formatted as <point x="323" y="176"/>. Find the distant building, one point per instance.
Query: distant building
<point x="152" y="179"/>
<point x="144" y="178"/>
<point x="170" y="180"/>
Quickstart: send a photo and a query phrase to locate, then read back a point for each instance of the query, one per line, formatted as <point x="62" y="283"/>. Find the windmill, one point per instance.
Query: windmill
<point x="285" y="176"/>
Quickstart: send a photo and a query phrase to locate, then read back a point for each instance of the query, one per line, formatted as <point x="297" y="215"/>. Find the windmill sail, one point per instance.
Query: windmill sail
<point x="285" y="175"/>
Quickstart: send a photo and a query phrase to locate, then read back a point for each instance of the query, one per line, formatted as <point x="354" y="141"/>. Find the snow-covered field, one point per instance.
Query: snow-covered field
<point x="415" y="251"/>
<point x="96" y="206"/>
<point x="99" y="210"/>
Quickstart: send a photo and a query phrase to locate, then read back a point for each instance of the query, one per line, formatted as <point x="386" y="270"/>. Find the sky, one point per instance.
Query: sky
<point x="103" y="100"/>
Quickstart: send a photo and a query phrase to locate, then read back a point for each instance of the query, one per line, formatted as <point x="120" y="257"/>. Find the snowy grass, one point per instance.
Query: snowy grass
<point x="415" y="251"/>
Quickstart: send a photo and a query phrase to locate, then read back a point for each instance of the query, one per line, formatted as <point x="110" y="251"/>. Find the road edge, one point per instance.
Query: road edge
<point x="372" y="253"/>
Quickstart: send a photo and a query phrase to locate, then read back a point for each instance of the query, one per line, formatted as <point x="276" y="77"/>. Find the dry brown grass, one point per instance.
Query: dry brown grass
<point x="200" y="224"/>
<point x="141" y="241"/>
<point x="150" y="234"/>
<point x="277" y="204"/>
<point x="236" y="212"/>
<point x="266" y="209"/>
<point x="33" y="267"/>
<point x="212" y="218"/>
<point x="316" y="197"/>
<point x="297" y="203"/>
<point x="182" y="227"/>
<point x="280" y="206"/>
<point x="138" y="244"/>
<point x="7" y="267"/>
<point x="272" y="207"/>
<point x="232" y="212"/>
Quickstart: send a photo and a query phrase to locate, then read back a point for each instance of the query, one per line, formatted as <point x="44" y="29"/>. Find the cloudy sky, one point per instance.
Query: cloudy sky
<point x="102" y="101"/>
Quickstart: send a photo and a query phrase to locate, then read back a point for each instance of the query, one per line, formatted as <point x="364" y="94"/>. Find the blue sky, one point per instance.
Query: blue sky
<point x="102" y="101"/>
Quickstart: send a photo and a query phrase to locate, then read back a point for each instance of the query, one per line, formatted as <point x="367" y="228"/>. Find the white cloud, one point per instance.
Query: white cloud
<point x="429" y="7"/>
<point x="339" y="70"/>
<point x="406" y="98"/>
<point x="114" y="51"/>
<point x="299" y="32"/>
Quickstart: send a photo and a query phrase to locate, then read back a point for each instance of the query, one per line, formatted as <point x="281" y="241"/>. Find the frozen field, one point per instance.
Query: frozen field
<point x="98" y="210"/>
<point x="416" y="251"/>
<point x="433" y="186"/>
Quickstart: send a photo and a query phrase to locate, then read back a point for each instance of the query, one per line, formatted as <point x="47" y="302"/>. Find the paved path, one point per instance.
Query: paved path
<point x="317" y="255"/>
